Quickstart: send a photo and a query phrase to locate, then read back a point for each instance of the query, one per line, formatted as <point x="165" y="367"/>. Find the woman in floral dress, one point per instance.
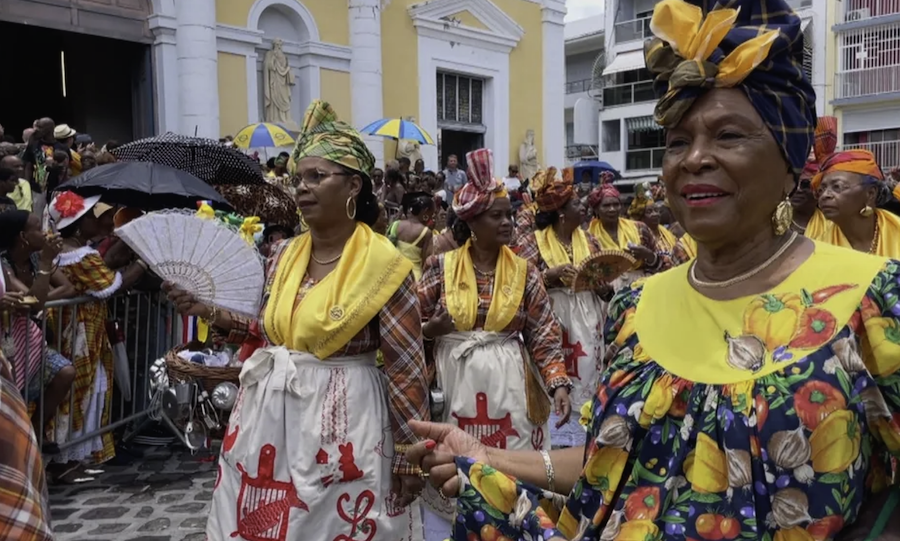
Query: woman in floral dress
<point x="751" y="394"/>
<point x="497" y="347"/>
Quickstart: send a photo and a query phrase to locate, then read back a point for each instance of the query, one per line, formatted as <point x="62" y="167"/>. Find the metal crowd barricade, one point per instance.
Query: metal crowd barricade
<point x="150" y="326"/>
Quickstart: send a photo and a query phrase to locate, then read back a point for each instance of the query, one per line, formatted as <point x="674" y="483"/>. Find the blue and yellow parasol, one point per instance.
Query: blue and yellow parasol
<point x="397" y="128"/>
<point x="264" y="134"/>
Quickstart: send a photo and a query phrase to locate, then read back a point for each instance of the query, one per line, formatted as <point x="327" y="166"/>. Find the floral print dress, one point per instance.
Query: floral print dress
<point x="775" y="421"/>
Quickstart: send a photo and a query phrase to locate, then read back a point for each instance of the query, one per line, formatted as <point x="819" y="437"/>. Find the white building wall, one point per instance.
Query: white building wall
<point x="198" y="76"/>
<point x="366" y="91"/>
<point x="554" y="62"/>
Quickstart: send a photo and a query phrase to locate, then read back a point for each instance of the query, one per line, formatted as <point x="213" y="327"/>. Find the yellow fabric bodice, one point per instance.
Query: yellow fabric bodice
<point x="627" y="232"/>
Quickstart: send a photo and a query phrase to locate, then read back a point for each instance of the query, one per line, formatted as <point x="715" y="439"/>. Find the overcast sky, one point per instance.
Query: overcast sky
<point x="578" y="9"/>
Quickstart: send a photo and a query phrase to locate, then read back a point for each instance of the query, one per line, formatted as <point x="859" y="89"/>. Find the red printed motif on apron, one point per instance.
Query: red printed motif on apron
<point x="537" y="438"/>
<point x="359" y="522"/>
<point x="572" y="352"/>
<point x="264" y="504"/>
<point x="491" y="432"/>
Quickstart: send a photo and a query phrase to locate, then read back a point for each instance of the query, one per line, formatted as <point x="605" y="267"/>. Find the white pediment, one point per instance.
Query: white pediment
<point x="435" y="18"/>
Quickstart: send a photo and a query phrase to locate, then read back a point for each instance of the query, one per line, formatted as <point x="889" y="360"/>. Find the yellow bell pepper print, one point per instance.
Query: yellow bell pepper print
<point x="835" y="442"/>
<point x="794" y="534"/>
<point x="604" y="468"/>
<point x="659" y="401"/>
<point x="567" y="524"/>
<point x="497" y="488"/>
<point x="773" y="318"/>
<point x="706" y="467"/>
<point x="627" y="328"/>
<point x="637" y="530"/>
<point x="883" y="336"/>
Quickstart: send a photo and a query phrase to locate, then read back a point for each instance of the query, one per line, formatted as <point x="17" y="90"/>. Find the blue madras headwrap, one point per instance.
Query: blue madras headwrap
<point x="756" y="45"/>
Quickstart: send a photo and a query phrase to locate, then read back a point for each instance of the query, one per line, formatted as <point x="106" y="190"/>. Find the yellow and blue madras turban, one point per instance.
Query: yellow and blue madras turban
<point x="323" y="135"/>
<point x="756" y="45"/>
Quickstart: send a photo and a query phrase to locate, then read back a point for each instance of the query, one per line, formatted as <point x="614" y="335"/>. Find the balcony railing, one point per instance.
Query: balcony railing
<point x="633" y="30"/>
<point x="628" y="93"/>
<point x="867" y="82"/>
<point x="643" y="159"/>
<point x="581" y="152"/>
<point x="861" y="10"/>
<point x="575" y="87"/>
<point x="887" y="153"/>
<point x="800" y="4"/>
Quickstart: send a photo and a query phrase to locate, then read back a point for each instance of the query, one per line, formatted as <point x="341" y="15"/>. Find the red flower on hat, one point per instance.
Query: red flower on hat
<point x="69" y="204"/>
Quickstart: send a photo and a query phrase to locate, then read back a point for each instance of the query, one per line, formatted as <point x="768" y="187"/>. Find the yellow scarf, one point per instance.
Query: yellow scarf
<point x="343" y="303"/>
<point x="689" y="244"/>
<point x="888" y="235"/>
<point x="462" y="289"/>
<point x="554" y="253"/>
<point x="627" y="232"/>
<point x="666" y="240"/>
<point x="817" y="227"/>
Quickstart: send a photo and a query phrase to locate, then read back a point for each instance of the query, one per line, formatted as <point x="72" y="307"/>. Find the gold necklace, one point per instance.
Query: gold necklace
<point x="329" y="262"/>
<point x="747" y="275"/>
<point x="874" y="245"/>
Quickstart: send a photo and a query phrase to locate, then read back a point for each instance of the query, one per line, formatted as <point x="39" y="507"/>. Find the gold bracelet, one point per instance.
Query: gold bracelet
<point x="213" y="316"/>
<point x="402" y="447"/>
<point x="548" y="469"/>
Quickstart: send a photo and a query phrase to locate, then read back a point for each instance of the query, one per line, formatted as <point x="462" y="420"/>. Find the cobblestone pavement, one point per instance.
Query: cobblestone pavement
<point x="162" y="496"/>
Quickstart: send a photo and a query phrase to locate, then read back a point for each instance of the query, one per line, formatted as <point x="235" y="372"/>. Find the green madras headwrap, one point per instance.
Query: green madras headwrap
<point x="323" y="135"/>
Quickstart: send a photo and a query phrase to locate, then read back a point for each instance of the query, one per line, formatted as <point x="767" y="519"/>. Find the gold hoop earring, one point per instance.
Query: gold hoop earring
<point x="783" y="217"/>
<point x="867" y="211"/>
<point x="351" y="215"/>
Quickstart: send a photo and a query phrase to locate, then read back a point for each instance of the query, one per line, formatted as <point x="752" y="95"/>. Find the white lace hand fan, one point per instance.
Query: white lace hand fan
<point x="202" y="256"/>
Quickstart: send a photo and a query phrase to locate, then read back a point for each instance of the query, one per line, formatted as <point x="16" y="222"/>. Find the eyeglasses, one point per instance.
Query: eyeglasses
<point x="314" y="177"/>
<point x="836" y="188"/>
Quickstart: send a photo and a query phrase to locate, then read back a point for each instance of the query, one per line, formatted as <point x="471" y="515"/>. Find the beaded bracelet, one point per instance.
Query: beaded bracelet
<point x="548" y="469"/>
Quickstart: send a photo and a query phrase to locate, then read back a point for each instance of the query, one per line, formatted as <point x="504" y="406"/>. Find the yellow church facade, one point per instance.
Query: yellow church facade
<point x="470" y="72"/>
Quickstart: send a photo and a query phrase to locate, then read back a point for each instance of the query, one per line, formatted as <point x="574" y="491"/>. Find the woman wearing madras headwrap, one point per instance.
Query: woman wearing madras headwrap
<point x="807" y="220"/>
<point x="527" y="212"/>
<point x="556" y="248"/>
<point x="617" y="233"/>
<point x="751" y="394"/>
<point x="851" y="187"/>
<point x="497" y="346"/>
<point x="318" y="431"/>
<point x="643" y="209"/>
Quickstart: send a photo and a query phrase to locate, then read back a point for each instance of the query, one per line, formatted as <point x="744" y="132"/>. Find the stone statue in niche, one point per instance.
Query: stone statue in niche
<point x="409" y="148"/>
<point x="278" y="80"/>
<point x="528" y="156"/>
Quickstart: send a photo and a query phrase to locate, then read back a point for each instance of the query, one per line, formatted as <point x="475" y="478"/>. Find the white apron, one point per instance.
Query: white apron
<point x="307" y="455"/>
<point x="482" y="375"/>
<point x="581" y="316"/>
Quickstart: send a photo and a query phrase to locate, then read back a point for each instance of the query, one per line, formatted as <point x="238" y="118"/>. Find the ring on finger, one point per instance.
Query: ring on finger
<point x="424" y="475"/>
<point x="441" y="494"/>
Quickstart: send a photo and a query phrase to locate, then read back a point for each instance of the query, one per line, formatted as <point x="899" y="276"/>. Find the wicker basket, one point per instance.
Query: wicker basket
<point x="208" y="376"/>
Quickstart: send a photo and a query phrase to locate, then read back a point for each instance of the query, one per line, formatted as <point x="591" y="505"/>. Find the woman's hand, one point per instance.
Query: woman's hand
<point x="439" y="325"/>
<point x="563" y="274"/>
<point x="11" y="301"/>
<point x="435" y="455"/>
<point x="605" y="291"/>
<point x="407" y="487"/>
<point x="563" y="405"/>
<point x="642" y="253"/>
<point x="185" y="303"/>
<point x="50" y="251"/>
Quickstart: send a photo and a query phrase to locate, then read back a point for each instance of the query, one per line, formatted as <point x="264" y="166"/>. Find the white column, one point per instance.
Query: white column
<point x="554" y="60"/>
<point x="365" y="69"/>
<point x="198" y="68"/>
<point x="165" y="73"/>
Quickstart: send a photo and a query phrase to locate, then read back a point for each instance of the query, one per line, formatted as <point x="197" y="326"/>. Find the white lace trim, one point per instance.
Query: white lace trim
<point x="75" y="256"/>
<point x="105" y="293"/>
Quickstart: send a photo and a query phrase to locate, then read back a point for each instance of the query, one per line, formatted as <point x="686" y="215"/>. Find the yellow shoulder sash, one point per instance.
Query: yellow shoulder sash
<point x="461" y="289"/>
<point x="336" y="309"/>
<point x="554" y="253"/>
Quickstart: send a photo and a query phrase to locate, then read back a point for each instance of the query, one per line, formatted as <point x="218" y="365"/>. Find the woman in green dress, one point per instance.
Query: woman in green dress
<point x="751" y="394"/>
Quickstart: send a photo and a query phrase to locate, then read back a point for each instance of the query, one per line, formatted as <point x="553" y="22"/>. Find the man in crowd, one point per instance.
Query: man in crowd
<point x="9" y="180"/>
<point x="454" y="178"/>
<point x="21" y="195"/>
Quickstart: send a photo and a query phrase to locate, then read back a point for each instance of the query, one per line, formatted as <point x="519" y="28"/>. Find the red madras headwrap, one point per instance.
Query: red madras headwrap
<point x="482" y="189"/>
<point x="554" y="194"/>
<point x="859" y="161"/>
<point x="823" y="146"/>
<point x="607" y="177"/>
<point x="602" y="192"/>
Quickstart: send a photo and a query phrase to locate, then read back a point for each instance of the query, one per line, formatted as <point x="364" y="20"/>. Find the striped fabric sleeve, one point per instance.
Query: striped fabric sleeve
<point x="400" y="324"/>
<point x="23" y="487"/>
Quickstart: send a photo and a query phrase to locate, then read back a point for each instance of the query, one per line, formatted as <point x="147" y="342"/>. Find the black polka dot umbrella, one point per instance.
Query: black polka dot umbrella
<point x="206" y="159"/>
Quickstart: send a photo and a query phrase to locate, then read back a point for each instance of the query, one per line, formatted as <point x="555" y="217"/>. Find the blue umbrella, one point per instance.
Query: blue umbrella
<point x="594" y="167"/>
